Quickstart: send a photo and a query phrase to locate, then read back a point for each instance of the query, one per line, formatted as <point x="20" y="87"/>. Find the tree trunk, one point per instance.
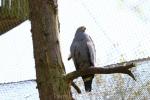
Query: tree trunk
<point x="50" y="70"/>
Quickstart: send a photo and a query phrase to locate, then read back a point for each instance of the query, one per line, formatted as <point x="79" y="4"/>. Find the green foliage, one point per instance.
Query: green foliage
<point x="15" y="9"/>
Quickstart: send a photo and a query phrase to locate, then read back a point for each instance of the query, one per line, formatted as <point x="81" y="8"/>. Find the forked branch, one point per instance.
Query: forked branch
<point x="109" y="69"/>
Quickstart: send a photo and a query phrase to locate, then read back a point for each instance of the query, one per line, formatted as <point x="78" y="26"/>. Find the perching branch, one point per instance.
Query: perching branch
<point x="109" y="69"/>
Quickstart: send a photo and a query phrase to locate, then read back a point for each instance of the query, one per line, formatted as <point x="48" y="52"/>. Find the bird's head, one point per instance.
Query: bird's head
<point x="81" y="29"/>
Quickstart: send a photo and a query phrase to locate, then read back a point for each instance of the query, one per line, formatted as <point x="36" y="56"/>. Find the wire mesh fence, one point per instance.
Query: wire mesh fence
<point x="24" y="90"/>
<point x="105" y="87"/>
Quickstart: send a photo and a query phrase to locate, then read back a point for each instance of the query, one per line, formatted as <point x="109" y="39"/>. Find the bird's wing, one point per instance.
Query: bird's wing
<point x="92" y="51"/>
<point x="74" y="54"/>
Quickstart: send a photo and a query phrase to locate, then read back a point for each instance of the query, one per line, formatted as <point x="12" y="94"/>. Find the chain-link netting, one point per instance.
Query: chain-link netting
<point x="119" y="29"/>
<point x="25" y="90"/>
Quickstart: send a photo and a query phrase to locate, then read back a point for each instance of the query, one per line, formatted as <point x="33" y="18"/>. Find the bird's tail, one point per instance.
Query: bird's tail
<point x="88" y="82"/>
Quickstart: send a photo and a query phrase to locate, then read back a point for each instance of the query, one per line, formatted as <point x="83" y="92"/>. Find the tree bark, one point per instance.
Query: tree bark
<point x="49" y="66"/>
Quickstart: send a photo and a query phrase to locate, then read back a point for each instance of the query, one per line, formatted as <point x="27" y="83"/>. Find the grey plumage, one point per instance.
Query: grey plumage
<point x="83" y="54"/>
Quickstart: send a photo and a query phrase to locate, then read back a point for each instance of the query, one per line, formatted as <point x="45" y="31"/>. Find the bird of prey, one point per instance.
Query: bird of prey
<point x="83" y="54"/>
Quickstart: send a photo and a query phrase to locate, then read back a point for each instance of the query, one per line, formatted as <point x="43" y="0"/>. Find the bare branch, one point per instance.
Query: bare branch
<point x="76" y="87"/>
<point x="109" y="69"/>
